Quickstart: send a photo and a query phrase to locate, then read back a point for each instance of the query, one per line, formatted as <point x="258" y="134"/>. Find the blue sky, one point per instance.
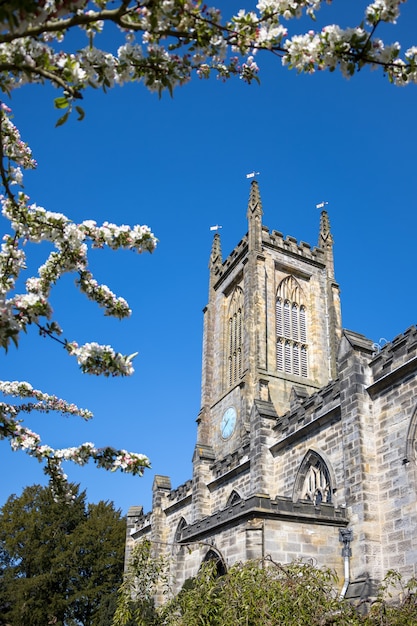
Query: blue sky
<point x="179" y="165"/>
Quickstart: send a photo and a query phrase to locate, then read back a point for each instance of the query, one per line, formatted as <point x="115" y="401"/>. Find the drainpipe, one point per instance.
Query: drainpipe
<point x="345" y="537"/>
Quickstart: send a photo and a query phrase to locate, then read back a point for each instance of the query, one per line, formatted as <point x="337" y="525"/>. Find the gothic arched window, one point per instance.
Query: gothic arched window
<point x="181" y="525"/>
<point x="313" y="481"/>
<point x="212" y="555"/>
<point x="234" y="337"/>
<point x="233" y="498"/>
<point x="317" y="484"/>
<point x="291" y="328"/>
<point x="410" y="450"/>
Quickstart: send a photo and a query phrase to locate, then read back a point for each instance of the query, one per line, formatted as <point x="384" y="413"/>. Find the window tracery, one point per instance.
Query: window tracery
<point x="316" y="486"/>
<point x="234" y="340"/>
<point x="291" y="329"/>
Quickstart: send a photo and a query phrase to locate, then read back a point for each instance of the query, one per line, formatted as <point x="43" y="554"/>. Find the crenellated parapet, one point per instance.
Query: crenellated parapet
<point x="181" y="492"/>
<point x="395" y="353"/>
<point x="230" y="462"/>
<point x="325" y="396"/>
<point x="289" y="244"/>
<point x="262" y="507"/>
<point x="310" y="414"/>
<point x="237" y="254"/>
<point x="138" y="524"/>
<point x="394" y="361"/>
<point x="274" y="239"/>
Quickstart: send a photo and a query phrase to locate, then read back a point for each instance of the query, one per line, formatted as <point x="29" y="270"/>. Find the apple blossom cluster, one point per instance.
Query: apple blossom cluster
<point x="166" y="41"/>
<point x="14" y="149"/>
<point x="46" y="402"/>
<point x="22" y="438"/>
<point x="34" y="224"/>
<point x="383" y="11"/>
<point x="108" y="457"/>
<point x="30" y="223"/>
<point x="289" y="8"/>
<point x="94" y="358"/>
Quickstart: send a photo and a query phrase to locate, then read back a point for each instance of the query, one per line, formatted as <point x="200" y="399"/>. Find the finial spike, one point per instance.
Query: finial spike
<point x="325" y="236"/>
<point x="255" y="203"/>
<point x="216" y="251"/>
<point x="254" y="215"/>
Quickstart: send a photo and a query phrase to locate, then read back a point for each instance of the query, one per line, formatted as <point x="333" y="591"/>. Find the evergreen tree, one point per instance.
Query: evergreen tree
<point x="98" y="549"/>
<point x="59" y="561"/>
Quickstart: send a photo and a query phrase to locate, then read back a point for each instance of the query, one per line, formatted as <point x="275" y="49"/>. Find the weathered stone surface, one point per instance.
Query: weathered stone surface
<point x="311" y="451"/>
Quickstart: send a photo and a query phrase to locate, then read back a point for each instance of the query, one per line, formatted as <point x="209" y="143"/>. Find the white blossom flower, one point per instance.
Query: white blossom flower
<point x="165" y="43"/>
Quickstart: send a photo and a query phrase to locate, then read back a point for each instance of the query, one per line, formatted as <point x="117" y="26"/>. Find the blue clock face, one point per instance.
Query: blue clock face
<point x="228" y="422"/>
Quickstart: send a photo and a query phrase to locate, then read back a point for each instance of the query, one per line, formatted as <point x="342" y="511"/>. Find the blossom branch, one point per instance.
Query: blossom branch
<point x="164" y="42"/>
<point x="22" y="438"/>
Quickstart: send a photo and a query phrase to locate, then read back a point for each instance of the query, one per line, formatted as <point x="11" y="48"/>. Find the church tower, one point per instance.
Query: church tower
<point x="262" y="480"/>
<point x="272" y="327"/>
<point x="306" y="436"/>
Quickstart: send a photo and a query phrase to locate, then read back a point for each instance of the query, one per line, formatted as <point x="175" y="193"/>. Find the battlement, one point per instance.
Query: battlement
<point x="262" y="507"/>
<point x="318" y="408"/>
<point x="395" y="353"/>
<point x="325" y="396"/>
<point x="237" y="253"/>
<point x="275" y="239"/>
<point x="181" y="492"/>
<point x="395" y="361"/>
<point x="138" y="523"/>
<point x="229" y="463"/>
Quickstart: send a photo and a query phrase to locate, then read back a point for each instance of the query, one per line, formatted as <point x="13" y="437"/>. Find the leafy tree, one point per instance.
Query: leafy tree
<point x="60" y="563"/>
<point x="257" y="593"/>
<point x="260" y="593"/>
<point x="162" y="43"/>
<point x="396" y="603"/>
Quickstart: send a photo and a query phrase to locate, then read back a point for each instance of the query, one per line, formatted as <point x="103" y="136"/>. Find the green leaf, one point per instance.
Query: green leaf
<point x="81" y="113"/>
<point x="61" y="103"/>
<point x="62" y="119"/>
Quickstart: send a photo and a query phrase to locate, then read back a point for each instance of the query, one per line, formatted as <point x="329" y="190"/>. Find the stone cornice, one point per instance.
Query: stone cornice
<point x="180" y="504"/>
<point x="316" y="421"/>
<point x="262" y="507"/>
<point x="232" y="473"/>
<point x="392" y="377"/>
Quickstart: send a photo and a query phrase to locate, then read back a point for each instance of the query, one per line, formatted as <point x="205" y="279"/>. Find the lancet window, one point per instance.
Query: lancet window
<point x="221" y="569"/>
<point x="181" y="525"/>
<point x="235" y="337"/>
<point x="291" y="329"/>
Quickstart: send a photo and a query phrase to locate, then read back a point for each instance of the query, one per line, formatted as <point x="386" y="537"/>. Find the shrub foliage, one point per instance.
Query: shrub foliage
<point x="257" y="593"/>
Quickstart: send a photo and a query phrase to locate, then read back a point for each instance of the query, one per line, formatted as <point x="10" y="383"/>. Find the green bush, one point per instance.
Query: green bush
<point x="257" y="593"/>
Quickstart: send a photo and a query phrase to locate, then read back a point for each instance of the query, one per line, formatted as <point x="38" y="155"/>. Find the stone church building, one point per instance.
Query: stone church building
<point x="306" y="434"/>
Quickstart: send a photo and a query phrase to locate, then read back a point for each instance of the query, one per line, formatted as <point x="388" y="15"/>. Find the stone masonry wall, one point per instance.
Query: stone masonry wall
<point x="394" y="395"/>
